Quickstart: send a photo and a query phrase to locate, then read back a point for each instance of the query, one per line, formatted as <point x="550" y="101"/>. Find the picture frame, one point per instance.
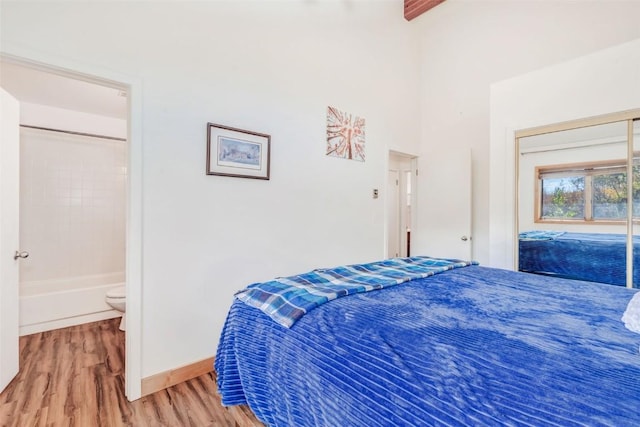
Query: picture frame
<point x="237" y="152"/>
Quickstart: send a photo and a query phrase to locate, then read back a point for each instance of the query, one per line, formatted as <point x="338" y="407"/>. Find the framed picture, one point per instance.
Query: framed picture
<point x="237" y="152"/>
<point x="345" y="135"/>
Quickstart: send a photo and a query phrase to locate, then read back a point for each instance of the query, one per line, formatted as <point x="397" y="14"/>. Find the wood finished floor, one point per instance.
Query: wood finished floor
<point x="75" y="377"/>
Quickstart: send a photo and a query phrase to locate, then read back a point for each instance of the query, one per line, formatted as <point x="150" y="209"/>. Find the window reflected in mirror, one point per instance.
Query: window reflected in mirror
<point x="573" y="202"/>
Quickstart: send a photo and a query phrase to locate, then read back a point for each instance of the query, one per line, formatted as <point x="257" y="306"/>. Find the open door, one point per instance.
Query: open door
<point x="9" y="237"/>
<point x="443" y="228"/>
<point x="393" y="214"/>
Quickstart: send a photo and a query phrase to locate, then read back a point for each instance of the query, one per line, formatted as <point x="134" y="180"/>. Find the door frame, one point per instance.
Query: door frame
<point x="133" y="85"/>
<point x="413" y="160"/>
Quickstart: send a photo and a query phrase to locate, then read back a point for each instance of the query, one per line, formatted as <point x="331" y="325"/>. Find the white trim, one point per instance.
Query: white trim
<point x="133" y="321"/>
<point x="133" y="85"/>
<point x="630" y="246"/>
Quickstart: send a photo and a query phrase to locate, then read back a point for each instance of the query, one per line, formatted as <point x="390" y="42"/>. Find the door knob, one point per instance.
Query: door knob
<point x="464" y="238"/>
<point x="23" y="254"/>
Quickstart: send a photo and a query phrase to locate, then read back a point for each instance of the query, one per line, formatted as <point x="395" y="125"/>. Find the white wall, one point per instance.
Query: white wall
<point x="270" y="67"/>
<point x="72" y="207"/>
<point x="465" y="45"/>
<point x="600" y="83"/>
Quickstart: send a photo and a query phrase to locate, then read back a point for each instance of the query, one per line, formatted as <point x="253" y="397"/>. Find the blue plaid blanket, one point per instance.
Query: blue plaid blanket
<point x="287" y="299"/>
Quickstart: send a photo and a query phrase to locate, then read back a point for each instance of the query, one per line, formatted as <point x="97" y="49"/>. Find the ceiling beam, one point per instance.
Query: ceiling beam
<point x="415" y="8"/>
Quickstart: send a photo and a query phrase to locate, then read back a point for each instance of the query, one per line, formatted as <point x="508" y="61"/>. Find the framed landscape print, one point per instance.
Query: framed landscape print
<point x="237" y="152"/>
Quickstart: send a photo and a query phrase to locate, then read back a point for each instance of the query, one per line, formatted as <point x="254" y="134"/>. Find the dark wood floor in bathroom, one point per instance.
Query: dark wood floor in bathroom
<point x="75" y="377"/>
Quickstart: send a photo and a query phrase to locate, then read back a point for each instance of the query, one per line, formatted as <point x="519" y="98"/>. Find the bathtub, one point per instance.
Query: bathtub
<point x="53" y="304"/>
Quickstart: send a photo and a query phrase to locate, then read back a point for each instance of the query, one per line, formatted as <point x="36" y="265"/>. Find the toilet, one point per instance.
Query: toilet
<point x="116" y="298"/>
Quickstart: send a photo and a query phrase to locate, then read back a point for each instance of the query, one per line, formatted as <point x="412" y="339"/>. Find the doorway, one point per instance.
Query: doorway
<point x="129" y="90"/>
<point x="72" y="197"/>
<point x="399" y="203"/>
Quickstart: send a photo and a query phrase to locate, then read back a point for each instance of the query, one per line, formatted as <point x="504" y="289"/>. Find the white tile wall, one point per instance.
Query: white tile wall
<point x="72" y="206"/>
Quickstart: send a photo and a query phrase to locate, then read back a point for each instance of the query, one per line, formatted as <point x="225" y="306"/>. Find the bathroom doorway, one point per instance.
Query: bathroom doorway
<point x="399" y="203"/>
<point x="86" y="168"/>
<point x="72" y="197"/>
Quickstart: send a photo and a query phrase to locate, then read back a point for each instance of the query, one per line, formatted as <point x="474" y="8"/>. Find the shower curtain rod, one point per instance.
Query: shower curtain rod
<point x="114" y="138"/>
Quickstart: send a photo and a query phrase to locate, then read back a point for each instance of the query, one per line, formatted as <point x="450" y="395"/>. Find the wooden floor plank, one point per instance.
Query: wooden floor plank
<point x="75" y="377"/>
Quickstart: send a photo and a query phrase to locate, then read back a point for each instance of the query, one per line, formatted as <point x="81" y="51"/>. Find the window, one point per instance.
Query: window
<point x="563" y="197"/>
<point x="586" y="192"/>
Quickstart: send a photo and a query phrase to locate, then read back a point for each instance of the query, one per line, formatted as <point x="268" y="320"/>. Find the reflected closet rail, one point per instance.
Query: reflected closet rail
<point x="576" y="215"/>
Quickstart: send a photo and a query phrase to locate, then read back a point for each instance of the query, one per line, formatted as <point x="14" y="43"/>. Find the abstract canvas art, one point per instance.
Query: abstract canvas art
<point x="345" y="135"/>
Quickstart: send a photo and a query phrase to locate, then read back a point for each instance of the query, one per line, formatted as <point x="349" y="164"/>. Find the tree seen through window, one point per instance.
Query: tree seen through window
<point x="565" y="197"/>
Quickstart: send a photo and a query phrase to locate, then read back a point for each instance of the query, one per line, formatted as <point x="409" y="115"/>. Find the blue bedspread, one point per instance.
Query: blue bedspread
<point x="468" y="347"/>
<point x="596" y="257"/>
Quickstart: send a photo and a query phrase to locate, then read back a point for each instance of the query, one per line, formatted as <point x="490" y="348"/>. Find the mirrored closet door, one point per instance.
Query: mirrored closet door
<point x="576" y="216"/>
<point x="634" y="169"/>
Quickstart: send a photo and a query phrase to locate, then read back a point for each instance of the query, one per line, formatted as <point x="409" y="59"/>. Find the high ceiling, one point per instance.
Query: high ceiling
<point x="39" y="87"/>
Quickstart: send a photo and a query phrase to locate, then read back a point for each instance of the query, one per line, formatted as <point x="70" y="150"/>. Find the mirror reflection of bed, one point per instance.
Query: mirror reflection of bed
<point x="594" y="257"/>
<point x="574" y="219"/>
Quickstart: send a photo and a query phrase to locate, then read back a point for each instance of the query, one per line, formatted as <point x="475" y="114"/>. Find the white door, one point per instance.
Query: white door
<point x="9" y="205"/>
<point x="393" y="209"/>
<point x="443" y="217"/>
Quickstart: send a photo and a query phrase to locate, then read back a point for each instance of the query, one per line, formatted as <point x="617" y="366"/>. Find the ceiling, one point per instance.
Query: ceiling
<point x="35" y="86"/>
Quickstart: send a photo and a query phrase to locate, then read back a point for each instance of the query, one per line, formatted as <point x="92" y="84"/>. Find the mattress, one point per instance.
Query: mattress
<point x="470" y="346"/>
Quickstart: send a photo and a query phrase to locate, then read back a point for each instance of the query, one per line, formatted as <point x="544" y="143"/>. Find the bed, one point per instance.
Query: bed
<point x="466" y="346"/>
<point x="595" y="257"/>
